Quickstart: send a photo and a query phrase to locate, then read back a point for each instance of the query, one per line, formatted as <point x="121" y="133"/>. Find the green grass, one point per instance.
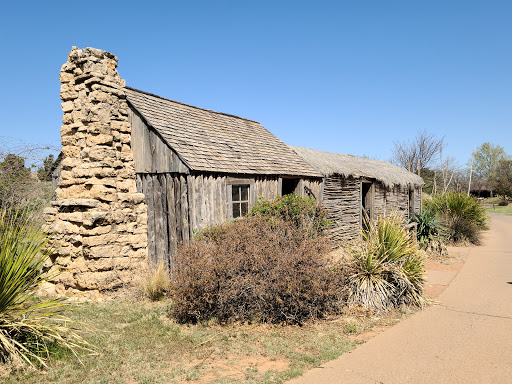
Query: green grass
<point x="138" y="343"/>
<point x="507" y="210"/>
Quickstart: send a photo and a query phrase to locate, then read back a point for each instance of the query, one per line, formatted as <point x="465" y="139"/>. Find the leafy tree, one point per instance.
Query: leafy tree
<point x="501" y="181"/>
<point x="44" y="172"/>
<point x="486" y="159"/>
<point x="417" y="154"/>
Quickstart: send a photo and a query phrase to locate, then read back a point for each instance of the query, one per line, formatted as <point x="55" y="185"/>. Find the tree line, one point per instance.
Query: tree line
<point x="489" y="172"/>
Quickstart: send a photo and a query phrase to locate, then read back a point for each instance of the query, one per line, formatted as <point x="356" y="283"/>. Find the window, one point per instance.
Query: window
<point x="240" y="200"/>
<point x="289" y="186"/>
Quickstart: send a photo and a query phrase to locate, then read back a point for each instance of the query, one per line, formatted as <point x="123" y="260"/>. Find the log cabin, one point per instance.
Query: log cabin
<point x="139" y="174"/>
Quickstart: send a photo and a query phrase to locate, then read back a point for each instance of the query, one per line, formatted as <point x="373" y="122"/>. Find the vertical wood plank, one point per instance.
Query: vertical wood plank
<point x="159" y="226"/>
<point x="171" y="219"/>
<point x="191" y="204"/>
<point x="185" y="230"/>
<point x="151" y="218"/>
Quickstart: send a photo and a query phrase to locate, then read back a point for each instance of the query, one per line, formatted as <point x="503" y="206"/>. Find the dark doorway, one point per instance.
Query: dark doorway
<point x="366" y="204"/>
<point x="289" y="186"/>
<point x="411" y="203"/>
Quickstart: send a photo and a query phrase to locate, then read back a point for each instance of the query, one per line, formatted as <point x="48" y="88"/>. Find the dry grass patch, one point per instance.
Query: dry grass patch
<point x="139" y="343"/>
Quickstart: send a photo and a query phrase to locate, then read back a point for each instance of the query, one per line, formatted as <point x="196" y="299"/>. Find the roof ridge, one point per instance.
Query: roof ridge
<point x="192" y="106"/>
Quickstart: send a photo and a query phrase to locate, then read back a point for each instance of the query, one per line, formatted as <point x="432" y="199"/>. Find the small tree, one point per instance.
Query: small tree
<point x="501" y="181"/>
<point x="486" y="159"/>
<point x="44" y="172"/>
<point x="417" y="154"/>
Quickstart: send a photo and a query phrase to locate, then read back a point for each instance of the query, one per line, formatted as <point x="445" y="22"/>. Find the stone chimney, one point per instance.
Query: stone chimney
<point x="98" y="216"/>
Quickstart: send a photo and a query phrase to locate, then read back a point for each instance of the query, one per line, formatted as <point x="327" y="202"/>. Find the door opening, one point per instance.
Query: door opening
<point x="366" y="204"/>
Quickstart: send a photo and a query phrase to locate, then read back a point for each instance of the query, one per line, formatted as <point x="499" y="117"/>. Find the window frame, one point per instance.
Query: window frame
<point x="235" y="182"/>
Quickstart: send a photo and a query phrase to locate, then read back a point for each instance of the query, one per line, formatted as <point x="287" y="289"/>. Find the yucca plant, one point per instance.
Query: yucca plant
<point x="429" y="228"/>
<point x="29" y="328"/>
<point x="464" y="217"/>
<point x="387" y="267"/>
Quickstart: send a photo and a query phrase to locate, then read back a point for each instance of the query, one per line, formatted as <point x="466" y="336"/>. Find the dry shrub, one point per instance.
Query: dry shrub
<point x="158" y="282"/>
<point x="254" y="269"/>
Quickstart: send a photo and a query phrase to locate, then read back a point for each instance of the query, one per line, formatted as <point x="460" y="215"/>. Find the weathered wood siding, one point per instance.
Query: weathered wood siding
<point x="151" y="154"/>
<point x="179" y="205"/>
<point x="342" y="199"/>
<point x="168" y="218"/>
<point x="391" y="200"/>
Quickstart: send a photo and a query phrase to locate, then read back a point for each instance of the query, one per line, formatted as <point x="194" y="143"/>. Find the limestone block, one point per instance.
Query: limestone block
<point x="99" y="139"/>
<point x="111" y="238"/>
<point x="103" y="172"/>
<point x="107" y="181"/>
<point x="50" y="211"/>
<point x="98" y="96"/>
<point x="67" y="67"/>
<point x="67" y="92"/>
<point x="70" y="151"/>
<point x="96" y="230"/>
<point x="127" y="186"/>
<point x="67" y="118"/>
<point x="68" y="140"/>
<point x="101" y="153"/>
<point x="79" y="172"/>
<point x="127" y="228"/>
<point x="98" y="280"/>
<point x="127" y="173"/>
<point x="91" y="218"/>
<point x="65" y="227"/>
<point x="133" y="198"/>
<point x="70" y="192"/>
<point x="69" y="163"/>
<point x="101" y="192"/>
<point x="121" y="126"/>
<point x="80" y="87"/>
<point x="73" y="217"/>
<point x="99" y="128"/>
<point x="66" y="77"/>
<point x="77" y="202"/>
<point x="101" y="251"/>
<point x="67" y="106"/>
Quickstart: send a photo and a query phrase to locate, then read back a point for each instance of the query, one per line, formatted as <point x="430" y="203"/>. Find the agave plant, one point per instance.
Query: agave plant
<point x="28" y="327"/>
<point x="387" y="267"/>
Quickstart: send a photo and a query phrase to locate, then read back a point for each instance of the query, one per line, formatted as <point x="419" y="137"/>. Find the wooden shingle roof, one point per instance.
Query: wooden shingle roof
<point x="217" y="142"/>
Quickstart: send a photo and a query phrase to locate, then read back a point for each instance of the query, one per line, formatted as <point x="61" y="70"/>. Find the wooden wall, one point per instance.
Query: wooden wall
<point x="342" y="199"/>
<point x="151" y="153"/>
<point x="179" y="205"/>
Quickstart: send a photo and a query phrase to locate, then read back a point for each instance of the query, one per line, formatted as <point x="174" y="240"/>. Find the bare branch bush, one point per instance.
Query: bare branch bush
<point x="417" y="154"/>
<point x="19" y="186"/>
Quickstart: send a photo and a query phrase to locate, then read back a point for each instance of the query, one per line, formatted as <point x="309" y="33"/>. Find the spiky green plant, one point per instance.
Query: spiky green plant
<point x="464" y="217"/>
<point x="430" y="228"/>
<point x="387" y="267"/>
<point x="29" y="328"/>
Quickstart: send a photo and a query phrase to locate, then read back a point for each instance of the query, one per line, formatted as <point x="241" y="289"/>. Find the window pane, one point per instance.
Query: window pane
<point x="236" y="193"/>
<point x="245" y="192"/>
<point x="245" y="207"/>
<point x="236" y="210"/>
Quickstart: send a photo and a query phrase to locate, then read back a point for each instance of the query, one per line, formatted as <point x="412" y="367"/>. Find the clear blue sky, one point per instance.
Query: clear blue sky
<point x="341" y="76"/>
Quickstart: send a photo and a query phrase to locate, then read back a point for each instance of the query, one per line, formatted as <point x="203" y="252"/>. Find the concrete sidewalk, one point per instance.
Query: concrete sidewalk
<point x="465" y="338"/>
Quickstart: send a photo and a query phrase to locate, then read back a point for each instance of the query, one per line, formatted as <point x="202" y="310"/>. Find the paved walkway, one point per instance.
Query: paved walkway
<point x="465" y="338"/>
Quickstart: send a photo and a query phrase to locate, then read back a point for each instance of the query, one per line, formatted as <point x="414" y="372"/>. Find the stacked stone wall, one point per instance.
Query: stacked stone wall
<point x="98" y="217"/>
